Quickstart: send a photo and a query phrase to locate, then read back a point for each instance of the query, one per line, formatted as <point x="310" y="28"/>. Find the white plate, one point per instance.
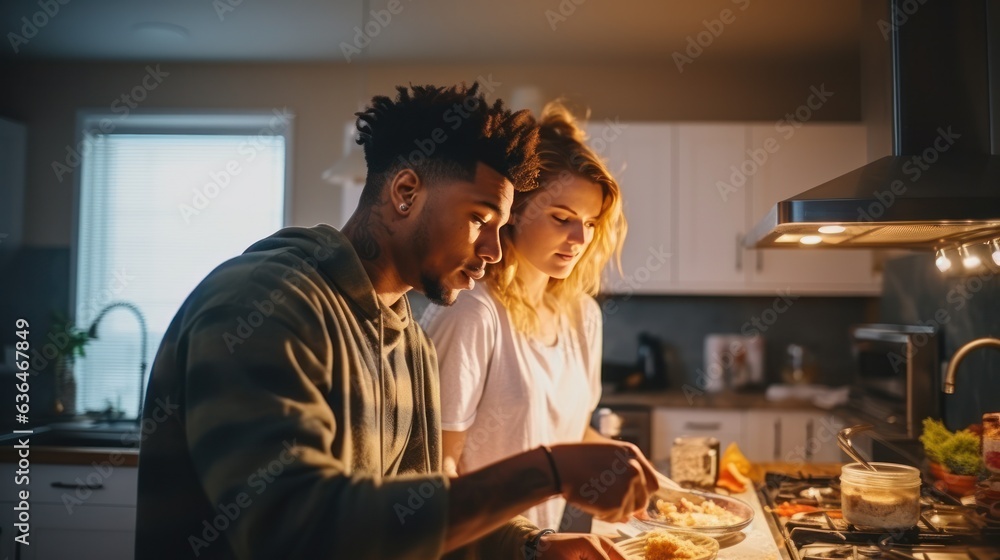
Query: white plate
<point x="635" y="548"/>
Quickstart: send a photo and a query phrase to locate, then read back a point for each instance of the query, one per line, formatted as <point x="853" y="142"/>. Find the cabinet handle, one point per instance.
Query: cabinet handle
<point x="759" y="257"/>
<point x="777" y="439"/>
<point x="75" y="486"/>
<point x="809" y="440"/>
<point x="739" y="252"/>
<point x="702" y="426"/>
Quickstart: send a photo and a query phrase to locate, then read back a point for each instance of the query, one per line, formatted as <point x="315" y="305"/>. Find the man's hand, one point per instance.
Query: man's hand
<point x="608" y="480"/>
<point x="577" y="546"/>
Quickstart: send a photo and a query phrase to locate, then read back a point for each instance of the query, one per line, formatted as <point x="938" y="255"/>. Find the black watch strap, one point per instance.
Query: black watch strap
<point x="531" y="547"/>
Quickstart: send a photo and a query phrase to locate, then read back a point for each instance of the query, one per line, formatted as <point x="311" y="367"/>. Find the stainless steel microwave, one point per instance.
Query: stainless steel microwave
<point x="898" y="373"/>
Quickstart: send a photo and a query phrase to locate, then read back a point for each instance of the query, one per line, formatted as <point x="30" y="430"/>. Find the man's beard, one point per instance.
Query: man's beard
<point x="435" y="290"/>
<point x="431" y="286"/>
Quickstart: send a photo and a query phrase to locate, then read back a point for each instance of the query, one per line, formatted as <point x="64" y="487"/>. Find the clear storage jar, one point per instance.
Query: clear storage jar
<point x="886" y="498"/>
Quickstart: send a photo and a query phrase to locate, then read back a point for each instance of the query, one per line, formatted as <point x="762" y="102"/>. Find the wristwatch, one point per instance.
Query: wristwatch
<point x="531" y="547"/>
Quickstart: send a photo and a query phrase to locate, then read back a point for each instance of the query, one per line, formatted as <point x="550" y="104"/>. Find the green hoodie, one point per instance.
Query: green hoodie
<point x="271" y="428"/>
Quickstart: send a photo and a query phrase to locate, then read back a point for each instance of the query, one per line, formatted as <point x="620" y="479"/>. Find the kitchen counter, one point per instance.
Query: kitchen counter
<point x="81" y="442"/>
<point x="49" y="455"/>
<point x="680" y="399"/>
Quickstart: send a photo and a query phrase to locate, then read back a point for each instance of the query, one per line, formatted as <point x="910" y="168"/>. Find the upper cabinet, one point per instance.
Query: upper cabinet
<point x="711" y="218"/>
<point x="637" y="154"/>
<point x="803" y="158"/>
<point x="693" y="191"/>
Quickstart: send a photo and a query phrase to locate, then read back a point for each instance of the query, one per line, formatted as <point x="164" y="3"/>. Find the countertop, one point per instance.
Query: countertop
<point x="49" y="455"/>
<point x="699" y="399"/>
<point x="78" y="442"/>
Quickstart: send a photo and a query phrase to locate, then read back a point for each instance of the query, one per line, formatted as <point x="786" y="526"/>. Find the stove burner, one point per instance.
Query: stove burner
<point x="821" y="495"/>
<point x="812" y="551"/>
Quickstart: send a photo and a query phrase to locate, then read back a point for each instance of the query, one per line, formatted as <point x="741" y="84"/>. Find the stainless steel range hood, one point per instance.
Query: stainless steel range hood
<point x="931" y="96"/>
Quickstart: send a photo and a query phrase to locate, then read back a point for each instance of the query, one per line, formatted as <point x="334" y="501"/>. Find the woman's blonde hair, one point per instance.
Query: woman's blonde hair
<point x="563" y="155"/>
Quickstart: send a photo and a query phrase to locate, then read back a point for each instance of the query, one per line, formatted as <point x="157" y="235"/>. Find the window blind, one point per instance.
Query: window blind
<point x="158" y="212"/>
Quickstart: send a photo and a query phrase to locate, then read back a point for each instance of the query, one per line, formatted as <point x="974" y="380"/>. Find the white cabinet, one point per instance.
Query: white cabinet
<point x="711" y="218"/>
<point x="84" y="512"/>
<point x="792" y="436"/>
<point x="692" y="191"/>
<point x="790" y="163"/>
<point x="638" y="157"/>
<point x="670" y="423"/>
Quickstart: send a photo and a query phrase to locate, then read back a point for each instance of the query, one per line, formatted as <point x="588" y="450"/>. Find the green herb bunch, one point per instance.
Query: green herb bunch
<point x="958" y="452"/>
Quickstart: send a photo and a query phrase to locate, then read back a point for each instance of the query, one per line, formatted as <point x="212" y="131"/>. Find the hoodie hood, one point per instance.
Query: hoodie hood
<point x="327" y="250"/>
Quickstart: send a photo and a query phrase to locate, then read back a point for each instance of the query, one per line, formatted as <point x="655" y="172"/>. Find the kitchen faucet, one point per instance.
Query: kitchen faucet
<point x="92" y="333"/>
<point x="960" y="354"/>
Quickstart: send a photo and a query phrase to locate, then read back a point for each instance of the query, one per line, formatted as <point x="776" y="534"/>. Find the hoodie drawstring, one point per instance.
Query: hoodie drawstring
<point x="381" y="390"/>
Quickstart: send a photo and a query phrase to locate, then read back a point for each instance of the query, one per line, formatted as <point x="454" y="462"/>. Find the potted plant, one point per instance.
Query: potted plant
<point x="955" y="460"/>
<point x="70" y="343"/>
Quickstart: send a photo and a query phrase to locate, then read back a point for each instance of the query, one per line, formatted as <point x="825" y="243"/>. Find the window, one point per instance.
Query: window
<point x="162" y="200"/>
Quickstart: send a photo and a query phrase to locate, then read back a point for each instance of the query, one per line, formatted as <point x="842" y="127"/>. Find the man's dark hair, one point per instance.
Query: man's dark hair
<point x="442" y="133"/>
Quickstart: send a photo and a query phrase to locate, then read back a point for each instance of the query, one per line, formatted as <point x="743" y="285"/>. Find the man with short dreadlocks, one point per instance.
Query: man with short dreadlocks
<point x="293" y="405"/>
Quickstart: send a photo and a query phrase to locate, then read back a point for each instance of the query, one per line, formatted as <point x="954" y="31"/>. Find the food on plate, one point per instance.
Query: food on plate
<point x="661" y="545"/>
<point x="684" y="513"/>
<point x="734" y="470"/>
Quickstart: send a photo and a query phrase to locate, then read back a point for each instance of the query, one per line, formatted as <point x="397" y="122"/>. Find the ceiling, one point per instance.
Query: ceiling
<point x="438" y="31"/>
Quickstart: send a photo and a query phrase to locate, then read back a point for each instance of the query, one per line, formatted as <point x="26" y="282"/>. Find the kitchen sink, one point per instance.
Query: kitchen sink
<point x="82" y="433"/>
<point x="89" y="425"/>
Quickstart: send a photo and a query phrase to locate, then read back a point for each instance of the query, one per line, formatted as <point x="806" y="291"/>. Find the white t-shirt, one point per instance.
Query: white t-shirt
<point x="509" y="392"/>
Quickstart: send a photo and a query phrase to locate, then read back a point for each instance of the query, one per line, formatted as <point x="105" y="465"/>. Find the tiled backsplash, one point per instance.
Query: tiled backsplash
<point x="820" y="324"/>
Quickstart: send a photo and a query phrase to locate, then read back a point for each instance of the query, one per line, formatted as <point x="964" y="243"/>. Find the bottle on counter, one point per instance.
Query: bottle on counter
<point x="694" y="462"/>
<point x="988" y="491"/>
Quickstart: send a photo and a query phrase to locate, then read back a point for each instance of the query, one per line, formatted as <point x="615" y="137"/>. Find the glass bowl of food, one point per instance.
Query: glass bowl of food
<point x="701" y="512"/>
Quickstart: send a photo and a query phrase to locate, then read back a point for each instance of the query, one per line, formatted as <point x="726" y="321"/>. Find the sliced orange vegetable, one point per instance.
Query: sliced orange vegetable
<point x="732" y="479"/>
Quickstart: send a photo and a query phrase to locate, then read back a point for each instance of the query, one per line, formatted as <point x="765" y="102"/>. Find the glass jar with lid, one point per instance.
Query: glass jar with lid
<point x="886" y="498"/>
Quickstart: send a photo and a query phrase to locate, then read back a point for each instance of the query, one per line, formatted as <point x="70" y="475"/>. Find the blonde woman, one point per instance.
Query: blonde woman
<point x="520" y="354"/>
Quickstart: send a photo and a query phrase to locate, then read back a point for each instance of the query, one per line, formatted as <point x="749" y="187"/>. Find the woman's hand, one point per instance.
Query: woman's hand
<point x="608" y="480"/>
<point x="577" y="546"/>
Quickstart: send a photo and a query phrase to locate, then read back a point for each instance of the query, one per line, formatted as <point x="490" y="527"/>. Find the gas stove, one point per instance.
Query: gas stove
<point x="947" y="530"/>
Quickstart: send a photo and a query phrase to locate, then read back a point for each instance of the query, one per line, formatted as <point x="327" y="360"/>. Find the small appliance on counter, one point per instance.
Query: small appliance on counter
<point x="896" y="386"/>
<point x="734" y="362"/>
<point x="647" y="373"/>
<point x="631" y="423"/>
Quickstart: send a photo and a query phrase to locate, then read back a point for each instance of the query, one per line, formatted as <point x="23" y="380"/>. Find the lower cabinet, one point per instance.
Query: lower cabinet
<point x="7" y="530"/>
<point x="83" y="512"/>
<point x="671" y="423"/>
<point x="790" y="436"/>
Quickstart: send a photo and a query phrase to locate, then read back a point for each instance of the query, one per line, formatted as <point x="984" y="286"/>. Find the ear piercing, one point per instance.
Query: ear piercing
<point x="404" y="207"/>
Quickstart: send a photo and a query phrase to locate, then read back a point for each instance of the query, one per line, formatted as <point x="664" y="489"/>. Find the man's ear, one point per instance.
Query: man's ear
<point x="405" y="191"/>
